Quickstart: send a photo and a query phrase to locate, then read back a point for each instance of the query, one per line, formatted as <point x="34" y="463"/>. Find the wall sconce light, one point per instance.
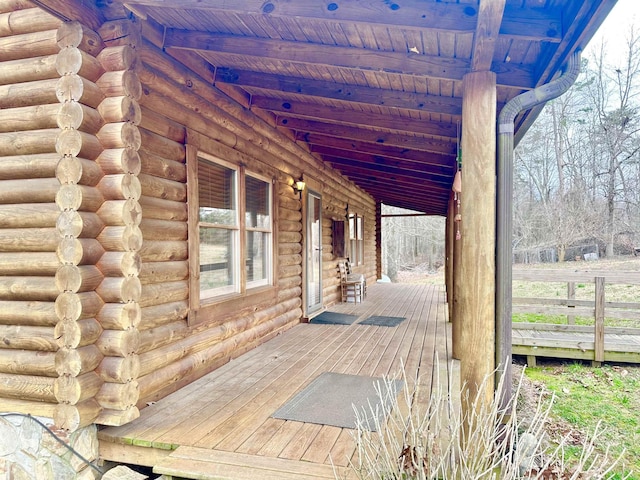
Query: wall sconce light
<point x="298" y="186"/>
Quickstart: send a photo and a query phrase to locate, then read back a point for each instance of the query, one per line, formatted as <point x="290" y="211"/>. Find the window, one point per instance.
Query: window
<point x="356" y="239"/>
<point x="218" y="228"/>
<point x="258" y="231"/>
<point x="234" y="222"/>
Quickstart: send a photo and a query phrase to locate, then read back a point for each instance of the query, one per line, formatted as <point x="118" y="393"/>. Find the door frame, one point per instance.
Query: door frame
<point x="313" y="188"/>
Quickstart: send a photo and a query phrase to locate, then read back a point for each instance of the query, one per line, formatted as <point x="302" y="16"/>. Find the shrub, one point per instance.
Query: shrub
<point x="424" y="436"/>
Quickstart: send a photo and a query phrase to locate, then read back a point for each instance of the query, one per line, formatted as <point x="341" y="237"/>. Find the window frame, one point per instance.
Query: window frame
<point x="268" y="277"/>
<point x="356" y="238"/>
<point x="226" y="299"/>
<point x="236" y="229"/>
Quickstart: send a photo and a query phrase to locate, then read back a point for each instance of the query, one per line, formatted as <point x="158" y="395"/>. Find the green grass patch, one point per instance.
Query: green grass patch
<point x="585" y="396"/>
<point x="562" y="320"/>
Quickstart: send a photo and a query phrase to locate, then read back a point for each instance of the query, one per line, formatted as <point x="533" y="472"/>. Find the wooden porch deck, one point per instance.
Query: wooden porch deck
<point x="221" y="427"/>
<point x="575" y="342"/>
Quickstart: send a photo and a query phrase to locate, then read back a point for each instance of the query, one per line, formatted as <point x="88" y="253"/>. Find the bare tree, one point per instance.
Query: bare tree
<point x="411" y="242"/>
<point x="612" y="93"/>
<point x="577" y="169"/>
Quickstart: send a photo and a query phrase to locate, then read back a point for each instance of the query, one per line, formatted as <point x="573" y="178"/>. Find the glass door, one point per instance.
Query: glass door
<point x="314" y="252"/>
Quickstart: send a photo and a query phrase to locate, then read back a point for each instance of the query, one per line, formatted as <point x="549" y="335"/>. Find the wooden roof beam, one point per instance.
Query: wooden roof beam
<point x="391" y="175"/>
<point x="355" y="117"/>
<point x="439" y="152"/>
<point x="444" y="168"/>
<point x="520" y="23"/>
<point x="408" y="63"/>
<point x="409" y="198"/>
<point x="416" y="193"/>
<point x="485" y="37"/>
<point x="303" y="127"/>
<point x="338" y="91"/>
<point x="85" y="12"/>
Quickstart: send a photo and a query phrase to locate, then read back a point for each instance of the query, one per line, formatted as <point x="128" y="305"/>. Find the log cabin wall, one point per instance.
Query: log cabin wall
<point x="180" y="108"/>
<point x="94" y="274"/>
<point x="121" y="213"/>
<point x="49" y="198"/>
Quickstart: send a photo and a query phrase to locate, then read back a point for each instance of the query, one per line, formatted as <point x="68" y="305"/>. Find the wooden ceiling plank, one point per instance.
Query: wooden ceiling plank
<point x="340" y="91"/>
<point x="484" y="42"/>
<point x="530" y="23"/>
<point x="376" y="120"/>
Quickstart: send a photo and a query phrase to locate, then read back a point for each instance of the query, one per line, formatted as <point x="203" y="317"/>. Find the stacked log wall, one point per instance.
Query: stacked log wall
<point x="93" y="220"/>
<point x="48" y="222"/>
<point x="121" y="212"/>
<point x="79" y="198"/>
<point x="178" y="108"/>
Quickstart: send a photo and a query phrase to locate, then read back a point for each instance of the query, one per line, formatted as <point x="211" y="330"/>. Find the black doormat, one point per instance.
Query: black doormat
<point x="333" y="318"/>
<point x="333" y="398"/>
<point x="382" y="321"/>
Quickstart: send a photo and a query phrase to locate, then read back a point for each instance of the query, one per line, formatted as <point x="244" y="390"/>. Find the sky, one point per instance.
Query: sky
<point x="616" y="26"/>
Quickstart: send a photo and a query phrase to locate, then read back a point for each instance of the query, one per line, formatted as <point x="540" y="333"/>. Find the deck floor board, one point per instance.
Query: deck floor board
<point x="228" y="412"/>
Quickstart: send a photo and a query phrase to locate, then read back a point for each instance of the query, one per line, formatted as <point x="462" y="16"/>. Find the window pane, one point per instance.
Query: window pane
<point x="258" y="255"/>
<point x="216" y="258"/>
<point x="352" y="227"/>
<point x="258" y="214"/>
<point x="216" y="188"/>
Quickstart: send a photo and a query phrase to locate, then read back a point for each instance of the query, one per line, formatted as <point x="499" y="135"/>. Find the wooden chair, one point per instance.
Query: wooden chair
<point x="350" y="288"/>
<point x="351" y="276"/>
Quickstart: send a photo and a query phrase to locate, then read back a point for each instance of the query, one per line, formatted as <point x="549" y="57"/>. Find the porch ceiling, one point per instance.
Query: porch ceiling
<point x="374" y="87"/>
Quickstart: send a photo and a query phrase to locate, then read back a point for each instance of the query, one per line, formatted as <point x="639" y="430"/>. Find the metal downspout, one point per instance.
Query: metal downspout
<point x="504" y="226"/>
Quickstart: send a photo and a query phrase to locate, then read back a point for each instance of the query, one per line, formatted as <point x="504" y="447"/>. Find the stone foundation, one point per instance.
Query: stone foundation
<point x="28" y="451"/>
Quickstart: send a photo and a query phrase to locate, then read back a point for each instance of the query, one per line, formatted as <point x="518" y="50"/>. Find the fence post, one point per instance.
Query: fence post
<point x="571" y="295"/>
<point x="599" y="322"/>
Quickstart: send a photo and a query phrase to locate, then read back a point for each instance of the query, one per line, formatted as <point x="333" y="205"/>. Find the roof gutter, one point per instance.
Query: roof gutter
<point x="504" y="227"/>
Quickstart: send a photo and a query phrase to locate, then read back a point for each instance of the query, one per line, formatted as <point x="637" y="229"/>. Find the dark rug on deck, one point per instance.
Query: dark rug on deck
<point x="330" y="399"/>
<point x="382" y="321"/>
<point x="333" y="318"/>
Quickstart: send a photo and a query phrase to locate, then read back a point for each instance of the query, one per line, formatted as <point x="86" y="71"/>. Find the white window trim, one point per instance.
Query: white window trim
<point x="235" y="287"/>
<point x="268" y="280"/>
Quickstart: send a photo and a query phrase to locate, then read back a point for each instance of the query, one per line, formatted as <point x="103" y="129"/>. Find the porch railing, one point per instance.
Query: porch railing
<point x="597" y="310"/>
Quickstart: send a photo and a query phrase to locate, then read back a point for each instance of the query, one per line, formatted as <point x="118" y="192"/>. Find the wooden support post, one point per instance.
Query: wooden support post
<point x="598" y="345"/>
<point x="571" y="295"/>
<point x="477" y="262"/>
<point x="531" y="361"/>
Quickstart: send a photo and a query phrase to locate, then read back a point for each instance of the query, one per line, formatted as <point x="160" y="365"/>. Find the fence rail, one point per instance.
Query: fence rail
<point x="598" y="342"/>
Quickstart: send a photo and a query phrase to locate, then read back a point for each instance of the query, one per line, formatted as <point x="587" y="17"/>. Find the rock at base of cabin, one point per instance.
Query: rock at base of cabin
<point x="122" y="472"/>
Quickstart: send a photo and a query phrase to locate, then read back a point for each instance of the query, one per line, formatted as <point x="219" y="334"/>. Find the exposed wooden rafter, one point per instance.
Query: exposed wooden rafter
<point x="331" y="114"/>
<point x="338" y="91"/>
<point x="441" y="173"/>
<point x="407" y="62"/>
<point x="361" y="134"/>
<point x="445" y="156"/>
